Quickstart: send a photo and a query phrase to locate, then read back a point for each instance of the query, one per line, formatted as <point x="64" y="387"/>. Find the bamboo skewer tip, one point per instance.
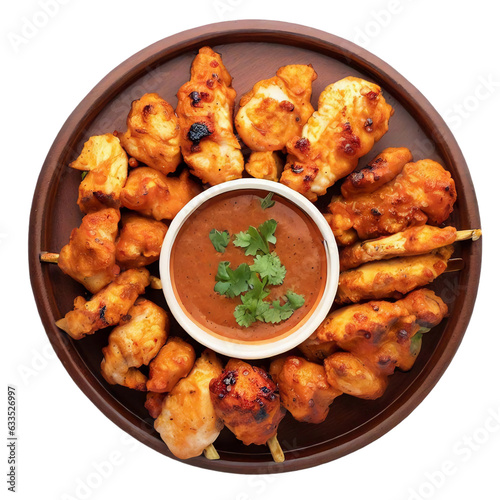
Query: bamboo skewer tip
<point x="275" y="448"/>
<point x="211" y="453"/>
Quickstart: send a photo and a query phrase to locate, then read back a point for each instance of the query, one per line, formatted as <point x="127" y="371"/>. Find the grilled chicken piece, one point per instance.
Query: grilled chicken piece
<point x="352" y="115"/>
<point x="89" y="257"/>
<point x="391" y="278"/>
<point x="153" y="134"/>
<point x="107" y="166"/>
<point x="205" y="111"/>
<point x="265" y="165"/>
<point x="107" y="307"/>
<point x="134" y="343"/>
<point x="188" y="422"/>
<point x="316" y="350"/>
<point x="154" y="403"/>
<point x="304" y="390"/>
<point x="140" y="240"/>
<point x="275" y="110"/>
<point x="247" y="400"/>
<point x="173" y="362"/>
<point x="153" y="194"/>
<point x="423" y="191"/>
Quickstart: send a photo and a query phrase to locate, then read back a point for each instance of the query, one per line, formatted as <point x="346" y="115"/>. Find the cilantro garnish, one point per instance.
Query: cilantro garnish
<point x="267" y="202"/>
<point x="257" y="240"/>
<point x="269" y="266"/>
<point x="232" y="282"/>
<point x="219" y="239"/>
<point x="84" y="174"/>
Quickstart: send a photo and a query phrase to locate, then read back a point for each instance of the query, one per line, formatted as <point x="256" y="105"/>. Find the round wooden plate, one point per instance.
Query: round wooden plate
<point x="251" y="50"/>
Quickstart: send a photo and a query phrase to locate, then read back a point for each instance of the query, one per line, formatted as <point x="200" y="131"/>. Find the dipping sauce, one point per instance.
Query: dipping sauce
<point x="194" y="263"/>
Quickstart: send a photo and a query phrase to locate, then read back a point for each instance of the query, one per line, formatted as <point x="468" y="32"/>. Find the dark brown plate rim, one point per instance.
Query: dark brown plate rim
<point x="236" y="32"/>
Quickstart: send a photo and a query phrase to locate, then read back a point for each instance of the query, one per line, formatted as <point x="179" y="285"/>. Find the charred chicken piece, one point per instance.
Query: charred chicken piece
<point x="303" y="387"/>
<point x="153" y="194"/>
<point x="153" y="134"/>
<point x="352" y="115"/>
<point x="106" y="165"/>
<point x="89" y="257"/>
<point x="134" y="343"/>
<point x="205" y="111"/>
<point x="107" y="307"/>
<point x="173" y="362"/>
<point x="140" y="240"/>
<point x="188" y="422"/>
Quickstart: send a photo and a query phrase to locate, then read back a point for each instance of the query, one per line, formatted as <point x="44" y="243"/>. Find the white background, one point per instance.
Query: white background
<point x="446" y="49"/>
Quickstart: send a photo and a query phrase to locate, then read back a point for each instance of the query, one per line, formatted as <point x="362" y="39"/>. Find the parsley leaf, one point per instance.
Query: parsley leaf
<point x="295" y="300"/>
<point x="253" y="306"/>
<point x="232" y="282"/>
<point x="280" y="312"/>
<point x="269" y="266"/>
<point x="219" y="239"/>
<point x="255" y="240"/>
<point x="267" y="202"/>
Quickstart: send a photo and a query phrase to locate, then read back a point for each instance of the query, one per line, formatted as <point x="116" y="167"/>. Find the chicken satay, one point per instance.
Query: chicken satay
<point x="391" y="278"/>
<point x="106" y="165"/>
<point x="137" y="339"/>
<point x="265" y="165"/>
<point x="153" y="194"/>
<point x="316" y="350"/>
<point x="174" y="361"/>
<point x="276" y="109"/>
<point x="352" y="115"/>
<point x="205" y="111"/>
<point x="188" y="422"/>
<point x="89" y="257"/>
<point x="379" y="171"/>
<point x="153" y="134"/>
<point x="247" y="400"/>
<point x="423" y="191"/>
<point x="107" y="307"/>
<point x="303" y="388"/>
<point x="154" y="403"/>
<point x="139" y="242"/>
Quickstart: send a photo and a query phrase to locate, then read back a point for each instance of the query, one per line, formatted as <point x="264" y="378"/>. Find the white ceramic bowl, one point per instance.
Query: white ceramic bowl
<point x="271" y="347"/>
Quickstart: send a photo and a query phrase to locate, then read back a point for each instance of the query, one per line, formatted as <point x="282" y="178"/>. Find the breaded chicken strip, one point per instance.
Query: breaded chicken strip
<point x="205" y="112"/>
<point x="187" y="422"/>
<point x="89" y="257"/>
<point x="134" y="343"/>
<point x="352" y="115"/>
<point x="107" y="165"/>
<point x="153" y="194"/>
<point x="153" y="134"/>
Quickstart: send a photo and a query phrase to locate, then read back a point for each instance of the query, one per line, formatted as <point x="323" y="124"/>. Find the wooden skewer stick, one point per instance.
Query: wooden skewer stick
<point x="155" y="283"/>
<point x="275" y="448"/>
<point x="48" y="257"/>
<point x="469" y="234"/>
<point x="211" y="453"/>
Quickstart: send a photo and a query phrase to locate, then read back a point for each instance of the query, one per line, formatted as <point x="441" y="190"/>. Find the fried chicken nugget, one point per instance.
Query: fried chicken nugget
<point x="89" y="257"/>
<point x="173" y="362"/>
<point x="107" y="307"/>
<point x="153" y="135"/>
<point x="303" y="387"/>
<point x="154" y="403"/>
<point x="153" y="194"/>
<point x="107" y="166"/>
<point x="187" y="422"/>
<point x="265" y="165"/>
<point x="205" y="112"/>
<point x="140" y="240"/>
<point x="134" y="343"/>
<point x="275" y="110"/>
<point x="352" y="115"/>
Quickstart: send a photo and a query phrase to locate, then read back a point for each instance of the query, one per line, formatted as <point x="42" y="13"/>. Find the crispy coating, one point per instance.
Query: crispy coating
<point x="134" y="343"/>
<point x="247" y="400"/>
<point x="174" y="361"/>
<point x="379" y="171"/>
<point x="423" y="191"/>
<point x="416" y="240"/>
<point x="304" y="390"/>
<point x="107" y="307"/>
<point x="153" y="134"/>
<point x="154" y="403"/>
<point x="153" y="194"/>
<point x="316" y="350"/>
<point x="275" y="110"/>
<point x="107" y="165"/>
<point x="391" y="278"/>
<point x="352" y="115"/>
<point x="205" y="111"/>
<point x="188" y="422"/>
<point x="265" y="165"/>
<point x="140" y="240"/>
<point x="89" y="257"/>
